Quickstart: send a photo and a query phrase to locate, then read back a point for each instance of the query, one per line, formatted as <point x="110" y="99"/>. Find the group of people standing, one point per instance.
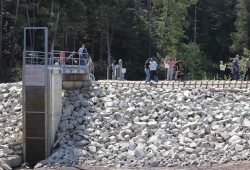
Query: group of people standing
<point x="235" y="70"/>
<point x="169" y="64"/>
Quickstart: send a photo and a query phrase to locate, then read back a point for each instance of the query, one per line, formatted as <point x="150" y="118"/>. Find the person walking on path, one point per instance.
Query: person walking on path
<point x="236" y="68"/>
<point x="147" y="70"/>
<point x="153" y="69"/>
<point x="222" y="70"/>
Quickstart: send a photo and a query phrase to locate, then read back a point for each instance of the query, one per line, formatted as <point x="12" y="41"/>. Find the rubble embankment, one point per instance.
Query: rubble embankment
<point x="139" y="127"/>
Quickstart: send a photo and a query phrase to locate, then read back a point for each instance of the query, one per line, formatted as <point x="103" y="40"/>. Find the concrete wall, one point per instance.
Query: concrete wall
<point x="54" y="105"/>
<point x="75" y="81"/>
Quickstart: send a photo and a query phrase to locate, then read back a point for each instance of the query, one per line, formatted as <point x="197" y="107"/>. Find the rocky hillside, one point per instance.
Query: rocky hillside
<point x="139" y="127"/>
<point x="11" y="136"/>
<point x="136" y="127"/>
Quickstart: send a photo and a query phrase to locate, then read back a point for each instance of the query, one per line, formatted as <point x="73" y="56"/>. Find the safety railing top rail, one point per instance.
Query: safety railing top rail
<point x="63" y="59"/>
<point x="54" y="58"/>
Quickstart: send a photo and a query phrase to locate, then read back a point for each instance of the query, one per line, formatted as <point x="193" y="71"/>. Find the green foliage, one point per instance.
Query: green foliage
<point x="12" y="74"/>
<point x="193" y="60"/>
<point x="241" y="37"/>
<point x="132" y="31"/>
<point x="215" y="23"/>
<point x="16" y="73"/>
<point x="246" y="52"/>
<point x="100" y="70"/>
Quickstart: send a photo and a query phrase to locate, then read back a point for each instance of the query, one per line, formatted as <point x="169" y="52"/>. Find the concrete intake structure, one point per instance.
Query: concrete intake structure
<point x="43" y="107"/>
<point x="43" y="80"/>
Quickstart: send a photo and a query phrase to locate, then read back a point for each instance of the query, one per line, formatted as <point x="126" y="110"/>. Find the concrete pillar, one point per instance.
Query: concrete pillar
<point x="54" y="105"/>
<point x="121" y="77"/>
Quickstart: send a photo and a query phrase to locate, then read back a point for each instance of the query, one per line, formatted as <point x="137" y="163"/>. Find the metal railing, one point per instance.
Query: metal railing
<point x="68" y="61"/>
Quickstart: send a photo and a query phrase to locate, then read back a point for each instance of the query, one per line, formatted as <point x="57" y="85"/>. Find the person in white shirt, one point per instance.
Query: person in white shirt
<point x="153" y="68"/>
<point x="166" y="65"/>
<point x="222" y="70"/>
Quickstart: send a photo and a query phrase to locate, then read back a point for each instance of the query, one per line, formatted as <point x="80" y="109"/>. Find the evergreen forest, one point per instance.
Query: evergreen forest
<point x="200" y="33"/>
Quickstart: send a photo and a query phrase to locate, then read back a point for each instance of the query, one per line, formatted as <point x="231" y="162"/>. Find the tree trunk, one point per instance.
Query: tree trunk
<point x="28" y="18"/>
<point x="14" y="40"/>
<point x="109" y="64"/>
<point x="66" y="37"/>
<point x="54" y="36"/>
<point x="149" y="28"/>
<point x="92" y="45"/>
<point x="195" y="22"/>
<point x="1" y="38"/>
<point x="137" y="5"/>
<point x="164" y="43"/>
<point x="248" y="24"/>
<point x="109" y="44"/>
<point x="101" y="36"/>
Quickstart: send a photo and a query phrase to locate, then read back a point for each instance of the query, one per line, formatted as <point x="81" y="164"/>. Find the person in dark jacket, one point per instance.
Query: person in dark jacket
<point x="147" y="70"/>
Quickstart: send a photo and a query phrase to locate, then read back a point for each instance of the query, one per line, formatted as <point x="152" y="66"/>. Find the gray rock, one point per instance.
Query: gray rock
<point x="134" y="127"/>
<point x="4" y="165"/>
<point x="239" y="148"/>
<point x="139" y="154"/>
<point x="154" y="164"/>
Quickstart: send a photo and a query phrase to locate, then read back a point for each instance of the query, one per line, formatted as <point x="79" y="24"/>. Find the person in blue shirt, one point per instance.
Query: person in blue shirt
<point x="83" y="55"/>
<point x="153" y="70"/>
<point x="147" y="70"/>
